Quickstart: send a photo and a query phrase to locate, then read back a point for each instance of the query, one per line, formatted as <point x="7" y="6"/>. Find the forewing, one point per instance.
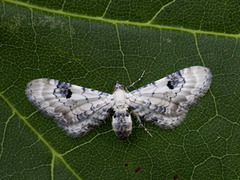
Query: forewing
<point x="166" y="101"/>
<point x="76" y="109"/>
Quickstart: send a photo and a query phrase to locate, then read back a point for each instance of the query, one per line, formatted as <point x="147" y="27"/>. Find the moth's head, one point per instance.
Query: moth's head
<point x="118" y="86"/>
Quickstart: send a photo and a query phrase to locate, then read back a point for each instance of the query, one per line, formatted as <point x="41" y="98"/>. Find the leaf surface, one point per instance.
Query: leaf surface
<point x="96" y="43"/>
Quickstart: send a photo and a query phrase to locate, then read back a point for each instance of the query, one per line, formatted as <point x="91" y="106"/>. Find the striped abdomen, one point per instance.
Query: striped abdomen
<point x="122" y="124"/>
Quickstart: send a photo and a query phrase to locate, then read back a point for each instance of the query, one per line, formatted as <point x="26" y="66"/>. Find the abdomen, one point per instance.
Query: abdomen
<point x="122" y="124"/>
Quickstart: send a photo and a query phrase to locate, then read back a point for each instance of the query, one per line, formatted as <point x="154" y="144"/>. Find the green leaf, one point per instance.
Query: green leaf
<point x="96" y="43"/>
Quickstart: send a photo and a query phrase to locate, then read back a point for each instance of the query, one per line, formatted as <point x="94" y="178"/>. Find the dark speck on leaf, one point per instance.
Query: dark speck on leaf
<point x="126" y="164"/>
<point x="137" y="170"/>
<point x="175" y="176"/>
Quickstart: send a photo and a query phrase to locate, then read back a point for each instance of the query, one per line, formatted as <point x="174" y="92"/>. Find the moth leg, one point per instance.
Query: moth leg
<point x="136" y="80"/>
<point x="141" y="124"/>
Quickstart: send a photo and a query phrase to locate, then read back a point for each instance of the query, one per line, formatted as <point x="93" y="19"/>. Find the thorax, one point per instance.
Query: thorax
<point x="121" y="100"/>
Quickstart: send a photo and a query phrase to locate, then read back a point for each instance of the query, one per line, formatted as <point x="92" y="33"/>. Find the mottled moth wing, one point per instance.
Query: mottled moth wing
<point x="76" y="109"/>
<point x="165" y="102"/>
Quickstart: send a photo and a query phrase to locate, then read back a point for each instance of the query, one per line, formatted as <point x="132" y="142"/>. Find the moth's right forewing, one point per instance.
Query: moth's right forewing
<point x="74" y="108"/>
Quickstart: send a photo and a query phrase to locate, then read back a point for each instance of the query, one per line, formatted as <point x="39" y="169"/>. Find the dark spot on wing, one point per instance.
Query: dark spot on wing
<point x="63" y="89"/>
<point x="169" y="85"/>
<point x="175" y="79"/>
<point x="69" y="94"/>
<point x="65" y="92"/>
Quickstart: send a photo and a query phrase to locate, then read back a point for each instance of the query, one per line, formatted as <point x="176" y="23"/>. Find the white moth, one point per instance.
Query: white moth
<point x="78" y="109"/>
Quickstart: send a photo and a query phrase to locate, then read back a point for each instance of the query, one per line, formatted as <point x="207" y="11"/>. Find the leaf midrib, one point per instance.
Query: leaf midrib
<point x="116" y="22"/>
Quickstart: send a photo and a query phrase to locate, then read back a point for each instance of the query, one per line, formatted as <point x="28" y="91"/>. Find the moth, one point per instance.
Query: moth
<point x="78" y="110"/>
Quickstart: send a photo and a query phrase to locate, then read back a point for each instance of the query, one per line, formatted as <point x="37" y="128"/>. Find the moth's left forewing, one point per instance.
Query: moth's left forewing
<point x="166" y="101"/>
